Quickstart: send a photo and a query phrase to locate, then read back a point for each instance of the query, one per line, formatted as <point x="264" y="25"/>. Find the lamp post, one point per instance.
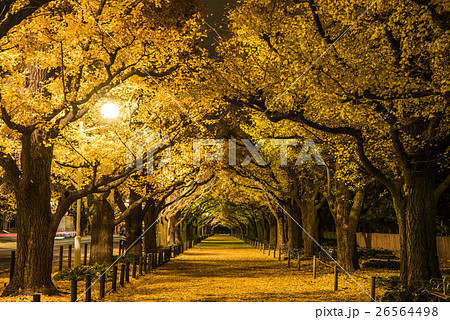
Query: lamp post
<point x="109" y="111"/>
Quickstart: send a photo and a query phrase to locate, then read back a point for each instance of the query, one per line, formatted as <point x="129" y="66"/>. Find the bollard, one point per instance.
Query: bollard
<point x="73" y="291"/>
<point x="279" y="254"/>
<point x="133" y="275"/>
<point x="289" y="258"/>
<point x="102" y="284"/>
<point x="12" y="265"/>
<point x="314" y="267"/>
<point x="85" y="253"/>
<point x="144" y="262"/>
<point x="122" y="275"/>
<point x="372" y="289"/>
<point x="140" y="265"/>
<point x="299" y="261"/>
<point x="69" y="263"/>
<point x="114" y="279"/>
<point x="61" y="257"/>
<point x="264" y="248"/>
<point x="36" y="297"/>
<point x="150" y="261"/>
<point x="127" y="272"/>
<point x="274" y="251"/>
<point x="88" y="288"/>
<point x="336" y="278"/>
<point x="269" y="250"/>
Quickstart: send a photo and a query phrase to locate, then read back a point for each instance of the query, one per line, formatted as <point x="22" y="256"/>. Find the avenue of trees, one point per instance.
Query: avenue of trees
<point x="374" y="99"/>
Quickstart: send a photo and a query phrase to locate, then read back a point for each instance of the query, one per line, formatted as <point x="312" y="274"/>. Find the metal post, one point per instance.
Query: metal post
<point x="127" y="272"/>
<point x="77" y="240"/>
<point x="61" y="257"/>
<point x="122" y="275"/>
<point x="88" y="288"/>
<point x="299" y="261"/>
<point x="114" y="279"/>
<point x="85" y="253"/>
<point x="102" y="284"/>
<point x="69" y="263"/>
<point x="73" y="291"/>
<point x="336" y="278"/>
<point x="314" y="267"/>
<point x="372" y="289"/>
<point x="279" y="254"/>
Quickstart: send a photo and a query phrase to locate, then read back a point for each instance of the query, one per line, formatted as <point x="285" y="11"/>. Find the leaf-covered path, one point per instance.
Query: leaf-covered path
<point x="222" y="268"/>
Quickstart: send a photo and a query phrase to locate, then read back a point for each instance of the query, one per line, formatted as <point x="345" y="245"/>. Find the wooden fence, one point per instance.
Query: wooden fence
<point x="392" y="242"/>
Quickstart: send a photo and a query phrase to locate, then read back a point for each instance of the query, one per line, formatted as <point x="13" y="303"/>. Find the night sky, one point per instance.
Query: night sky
<point x="216" y="10"/>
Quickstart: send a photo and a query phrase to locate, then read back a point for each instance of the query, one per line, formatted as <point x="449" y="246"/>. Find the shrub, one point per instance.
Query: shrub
<point x="79" y="273"/>
<point x="412" y="294"/>
<point x="382" y="264"/>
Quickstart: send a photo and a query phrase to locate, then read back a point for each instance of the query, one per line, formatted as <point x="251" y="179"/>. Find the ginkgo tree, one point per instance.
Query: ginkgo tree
<point x="57" y="66"/>
<point x="384" y="83"/>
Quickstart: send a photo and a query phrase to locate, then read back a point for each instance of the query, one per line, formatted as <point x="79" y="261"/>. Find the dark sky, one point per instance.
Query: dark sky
<point x="216" y="10"/>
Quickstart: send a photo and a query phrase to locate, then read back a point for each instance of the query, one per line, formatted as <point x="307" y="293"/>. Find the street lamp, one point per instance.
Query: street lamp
<point x="108" y="111"/>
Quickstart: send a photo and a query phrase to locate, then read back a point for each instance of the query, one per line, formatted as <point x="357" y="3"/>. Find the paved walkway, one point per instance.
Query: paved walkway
<point x="223" y="268"/>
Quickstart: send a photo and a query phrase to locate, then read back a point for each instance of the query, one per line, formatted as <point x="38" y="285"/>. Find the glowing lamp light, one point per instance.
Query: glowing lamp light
<point x="110" y="110"/>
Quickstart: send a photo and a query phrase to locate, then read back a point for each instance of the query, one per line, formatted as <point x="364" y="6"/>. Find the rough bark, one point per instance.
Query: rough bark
<point x="172" y="229"/>
<point x="294" y="231"/>
<point x="273" y="231"/>
<point x="32" y="273"/>
<point x="345" y="207"/>
<point x="416" y="207"/>
<point x="150" y="235"/>
<point x="280" y="231"/>
<point x="102" y="231"/>
<point x="310" y="220"/>
<point x="266" y="230"/>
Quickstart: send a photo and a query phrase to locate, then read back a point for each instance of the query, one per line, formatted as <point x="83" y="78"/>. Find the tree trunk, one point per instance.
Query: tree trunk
<point x="346" y="209"/>
<point x="102" y="232"/>
<point x="310" y="220"/>
<point x="280" y="231"/>
<point x="172" y="229"/>
<point x="33" y="268"/>
<point x="162" y="232"/>
<point x="133" y="224"/>
<point x="177" y="231"/>
<point x="150" y="227"/>
<point x="294" y="231"/>
<point x="416" y="208"/>
<point x="266" y="230"/>
<point x="273" y="230"/>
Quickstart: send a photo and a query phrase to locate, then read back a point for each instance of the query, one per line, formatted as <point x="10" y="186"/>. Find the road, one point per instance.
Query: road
<point x="9" y="244"/>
